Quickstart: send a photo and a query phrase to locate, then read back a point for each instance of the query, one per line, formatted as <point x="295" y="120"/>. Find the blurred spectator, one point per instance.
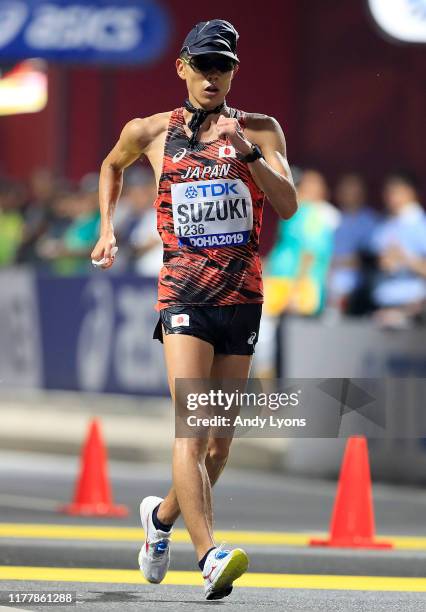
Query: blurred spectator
<point x="352" y="239"/>
<point x="75" y="230"/>
<point x="297" y="267"/>
<point x="37" y="213"/>
<point x="376" y="265"/>
<point x="137" y="190"/>
<point x="400" y="244"/>
<point x="60" y="218"/>
<point x="11" y="221"/>
<point x="61" y="215"/>
<point x="135" y="223"/>
<point x="145" y="241"/>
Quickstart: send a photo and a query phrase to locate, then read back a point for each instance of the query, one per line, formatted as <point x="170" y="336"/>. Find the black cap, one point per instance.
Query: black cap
<point x="215" y="36"/>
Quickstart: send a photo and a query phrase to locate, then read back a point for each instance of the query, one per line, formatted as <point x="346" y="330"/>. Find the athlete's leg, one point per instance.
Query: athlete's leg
<point x="189" y="357"/>
<point x="223" y="366"/>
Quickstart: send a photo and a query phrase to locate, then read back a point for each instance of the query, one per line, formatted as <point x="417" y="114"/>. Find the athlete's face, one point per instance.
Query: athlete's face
<point x="208" y="79"/>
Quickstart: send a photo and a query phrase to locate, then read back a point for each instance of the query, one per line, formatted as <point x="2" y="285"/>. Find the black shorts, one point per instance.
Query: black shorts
<point x="232" y="330"/>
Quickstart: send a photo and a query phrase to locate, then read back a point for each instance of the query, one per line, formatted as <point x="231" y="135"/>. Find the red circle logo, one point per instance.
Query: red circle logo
<point x="227" y="151"/>
<point x="179" y="320"/>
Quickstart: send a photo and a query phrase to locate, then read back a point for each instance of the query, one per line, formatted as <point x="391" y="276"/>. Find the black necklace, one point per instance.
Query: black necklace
<point x="198" y="117"/>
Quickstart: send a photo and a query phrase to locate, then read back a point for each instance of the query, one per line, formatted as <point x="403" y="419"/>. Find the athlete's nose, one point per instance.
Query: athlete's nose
<point x="213" y="72"/>
<point x="212" y="80"/>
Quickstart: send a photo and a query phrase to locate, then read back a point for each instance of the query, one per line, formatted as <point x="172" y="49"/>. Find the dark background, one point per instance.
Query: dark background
<point x="347" y="98"/>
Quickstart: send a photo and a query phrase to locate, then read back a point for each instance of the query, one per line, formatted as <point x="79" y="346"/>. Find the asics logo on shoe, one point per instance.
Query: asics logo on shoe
<point x="210" y="573"/>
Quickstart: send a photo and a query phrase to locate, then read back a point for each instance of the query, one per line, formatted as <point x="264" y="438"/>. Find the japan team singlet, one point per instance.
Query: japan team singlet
<point x="209" y="214"/>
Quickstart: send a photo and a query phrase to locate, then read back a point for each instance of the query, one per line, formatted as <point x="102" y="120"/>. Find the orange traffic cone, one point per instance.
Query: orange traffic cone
<point x="93" y="493"/>
<point x="352" y="521"/>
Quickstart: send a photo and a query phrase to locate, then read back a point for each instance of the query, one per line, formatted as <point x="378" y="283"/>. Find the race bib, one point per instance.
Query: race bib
<point x="212" y="214"/>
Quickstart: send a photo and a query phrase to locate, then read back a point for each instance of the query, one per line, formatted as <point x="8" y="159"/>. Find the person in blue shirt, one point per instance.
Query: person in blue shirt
<point x="400" y="245"/>
<point x="351" y="239"/>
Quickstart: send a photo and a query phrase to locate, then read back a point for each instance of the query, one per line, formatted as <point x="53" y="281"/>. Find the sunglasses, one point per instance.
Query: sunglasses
<point x="206" y="63"/>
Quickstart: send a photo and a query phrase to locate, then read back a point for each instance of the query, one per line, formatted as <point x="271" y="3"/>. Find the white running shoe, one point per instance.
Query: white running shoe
<point x="154" y="556"/>
<point x="221" y="568"/>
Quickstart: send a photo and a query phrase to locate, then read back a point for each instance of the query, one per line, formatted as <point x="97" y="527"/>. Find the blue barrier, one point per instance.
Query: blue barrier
<point x="89" y="333"/>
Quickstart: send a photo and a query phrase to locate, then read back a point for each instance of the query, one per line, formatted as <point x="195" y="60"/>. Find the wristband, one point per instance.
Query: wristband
<point x="256" y="153"/>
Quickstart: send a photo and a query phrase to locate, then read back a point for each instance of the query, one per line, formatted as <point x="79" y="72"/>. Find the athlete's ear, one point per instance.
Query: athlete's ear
<point x="181" y="69"/>
<point x="235" y="70"/>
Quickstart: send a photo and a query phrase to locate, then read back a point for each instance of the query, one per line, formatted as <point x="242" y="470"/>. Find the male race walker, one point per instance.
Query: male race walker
<point x="213" y="166"/>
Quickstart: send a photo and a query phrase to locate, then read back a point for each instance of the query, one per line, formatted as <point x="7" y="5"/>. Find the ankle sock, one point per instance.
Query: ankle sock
<point x="157" y="523"/>
<point x="203" y="560"/>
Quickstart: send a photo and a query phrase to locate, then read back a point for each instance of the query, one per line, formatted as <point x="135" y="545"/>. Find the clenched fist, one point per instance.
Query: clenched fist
<point x="104" y="250"/>
<point x="231" y="129"/>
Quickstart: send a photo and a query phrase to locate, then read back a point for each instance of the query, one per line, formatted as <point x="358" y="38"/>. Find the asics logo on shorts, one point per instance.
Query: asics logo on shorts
<point x="178" y="155"/>
<point x="252" y="338"/>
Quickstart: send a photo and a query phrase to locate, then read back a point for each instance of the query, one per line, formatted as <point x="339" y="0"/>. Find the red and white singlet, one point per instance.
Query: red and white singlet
<point x="209" y="214"/>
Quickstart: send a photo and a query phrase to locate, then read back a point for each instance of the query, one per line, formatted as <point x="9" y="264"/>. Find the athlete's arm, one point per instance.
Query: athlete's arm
<point x="134" y="140"/>
<point x="271" y="174"/>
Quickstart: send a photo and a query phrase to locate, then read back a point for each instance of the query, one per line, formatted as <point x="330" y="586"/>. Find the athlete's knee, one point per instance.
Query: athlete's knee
<point x="194" y="448"/>
<point x="218" y="450"/>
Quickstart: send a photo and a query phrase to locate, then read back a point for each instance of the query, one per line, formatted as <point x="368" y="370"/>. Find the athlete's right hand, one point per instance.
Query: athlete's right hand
<point x="103" y="250"/>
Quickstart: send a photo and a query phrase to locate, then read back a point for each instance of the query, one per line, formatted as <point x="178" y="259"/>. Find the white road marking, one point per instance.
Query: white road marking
<point x="14" y="609"/>
<point x="28" y="503"/>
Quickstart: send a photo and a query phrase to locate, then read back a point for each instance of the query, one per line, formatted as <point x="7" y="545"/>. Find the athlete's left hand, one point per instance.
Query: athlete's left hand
<point x="231" y="129"/>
